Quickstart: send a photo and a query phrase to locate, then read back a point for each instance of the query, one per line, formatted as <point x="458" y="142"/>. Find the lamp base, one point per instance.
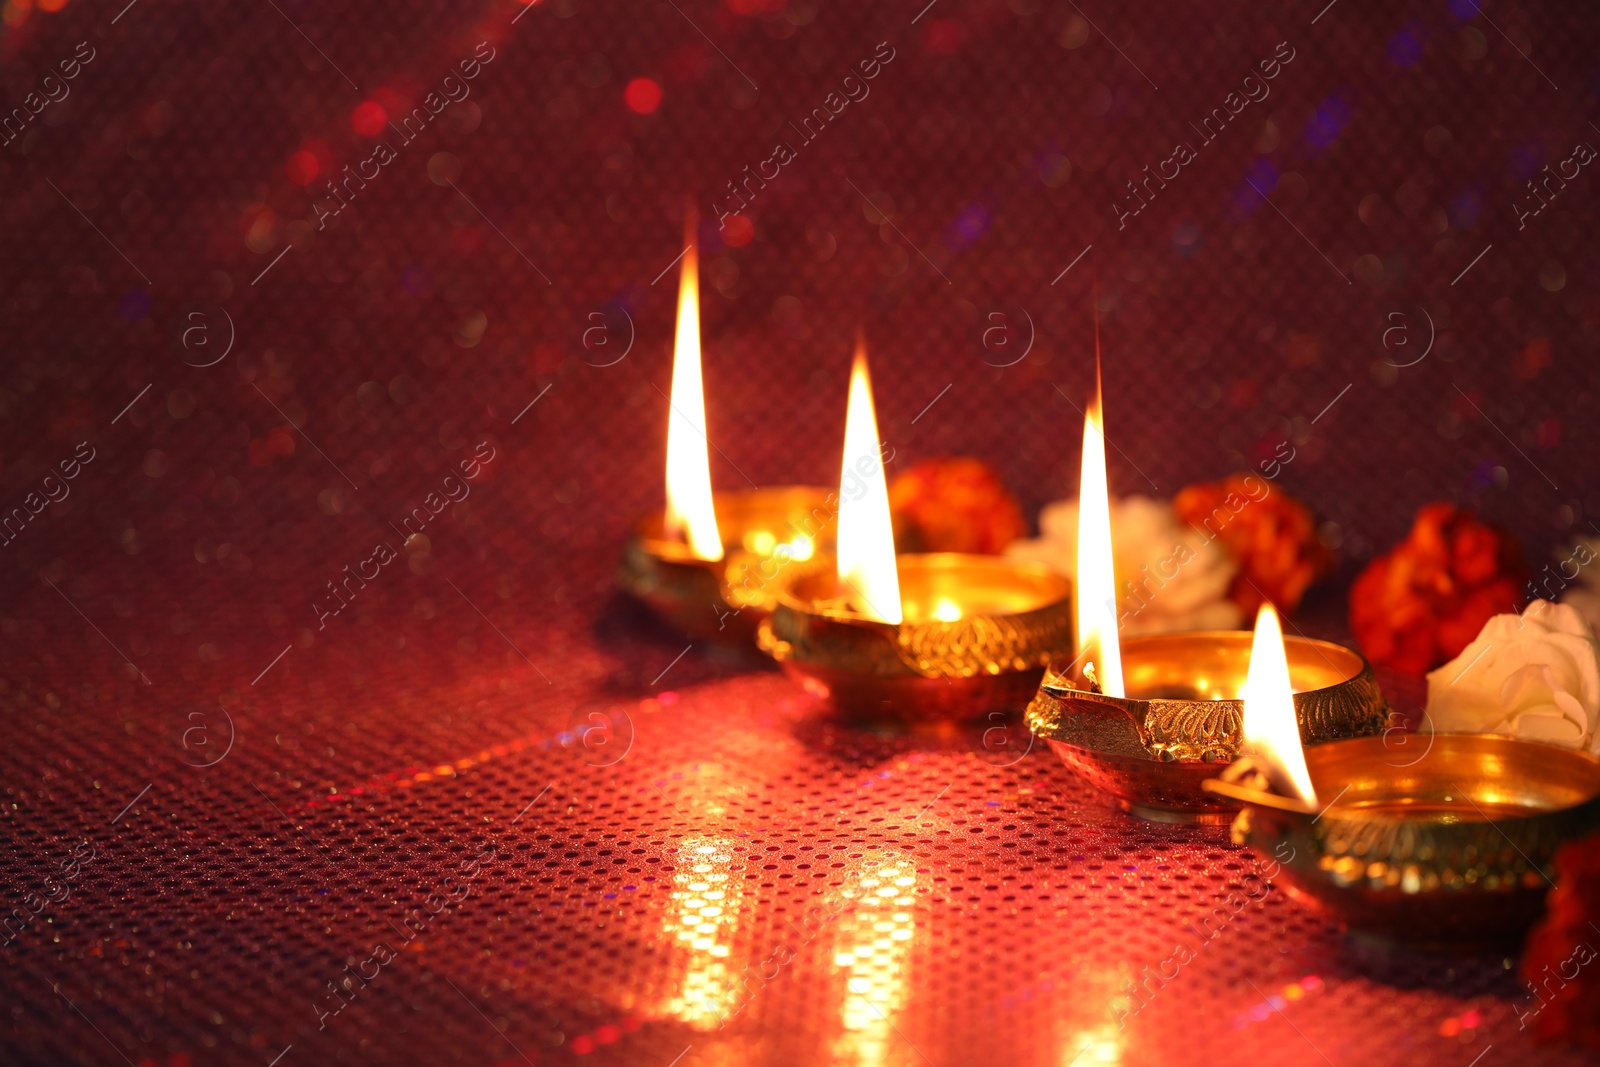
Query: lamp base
<point x="765" y="532"/>
<point x="1014" y="615"/>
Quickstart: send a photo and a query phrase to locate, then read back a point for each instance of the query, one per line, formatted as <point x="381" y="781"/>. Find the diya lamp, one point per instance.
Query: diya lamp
<point x="710" y="563"/>
<point x="1454" y="850"/>
<point x="1148" y="719"/>
<point x="920" y="636"/>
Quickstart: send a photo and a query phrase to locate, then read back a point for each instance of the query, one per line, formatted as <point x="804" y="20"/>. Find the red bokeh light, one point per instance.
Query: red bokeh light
<point x="642" y="95"/>
<point x="279" y="441"/>
<point x="368" y="118"/>
<point x="1244" y="393"/>
<point x="737" y="232"/>
<point x="302" y="168"/>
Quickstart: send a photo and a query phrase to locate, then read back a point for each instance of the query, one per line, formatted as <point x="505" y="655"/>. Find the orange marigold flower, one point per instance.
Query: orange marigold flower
<point x="1559" y="962"/>
<point x="1425" y="600"/>
<point x="1270" y="533"/>
<point x="954" y="505"/>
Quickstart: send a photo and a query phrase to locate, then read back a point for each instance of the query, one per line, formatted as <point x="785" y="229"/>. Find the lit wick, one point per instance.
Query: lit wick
<point x="1271" y="728"/>
<point x="690" y="512"/>
<point x="1097" y="584"/>
<point x="867" y="567"/>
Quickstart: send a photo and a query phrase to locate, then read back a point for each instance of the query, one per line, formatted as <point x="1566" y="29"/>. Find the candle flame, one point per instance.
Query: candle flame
<point x="690" y="513"/>
<point x="1271" y="728"/>
<point x="866" y="533"/>
<point x="1097" y="582"/>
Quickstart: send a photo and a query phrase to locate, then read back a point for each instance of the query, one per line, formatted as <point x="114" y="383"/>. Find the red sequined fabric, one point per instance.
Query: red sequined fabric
<point x="336" y="346"/>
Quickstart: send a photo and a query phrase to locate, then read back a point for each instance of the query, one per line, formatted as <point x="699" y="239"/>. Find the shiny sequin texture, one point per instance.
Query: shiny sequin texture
<point x="494" y="814"/>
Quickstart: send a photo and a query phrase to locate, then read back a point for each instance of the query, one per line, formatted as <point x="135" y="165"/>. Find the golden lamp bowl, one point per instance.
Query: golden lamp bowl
<point x="1152" y="751"/>
<point x="1015" y="615"/>
<point x="1453" y="850"/>
<point x="765" y="533"/>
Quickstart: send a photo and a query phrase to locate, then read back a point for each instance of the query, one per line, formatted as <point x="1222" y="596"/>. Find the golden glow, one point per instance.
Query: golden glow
<point x="946" y="610"/>
<point x="705" y="904"/>
<point x="764" y="543"/>
<point x="1097" y="583"/>
<point x="874" y="942"/>
<point x="690" y="514"/>
<point x="1271" y="729"/>
<point x="1102" y="1045"/>
<point x="866" y="533"/>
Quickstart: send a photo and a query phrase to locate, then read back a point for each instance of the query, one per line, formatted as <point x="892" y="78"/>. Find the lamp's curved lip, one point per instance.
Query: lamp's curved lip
<point x="766" y="501"/>
<point x="1054" y="588"/>
<point x="1491" y="746"/>
<point x="1059" y="685"/>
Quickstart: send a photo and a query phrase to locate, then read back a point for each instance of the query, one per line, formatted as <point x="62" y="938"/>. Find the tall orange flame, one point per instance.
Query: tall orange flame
<point x="690" y="513"/>
<point x="866" y="532"/>
<point x="1097" y="581"/>
<point x="1271" y="728"/>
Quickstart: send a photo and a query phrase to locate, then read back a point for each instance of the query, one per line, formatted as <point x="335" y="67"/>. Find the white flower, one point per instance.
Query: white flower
<point x="1586" y="595"/>
<point x="1535" y="676"/>
<point x="1170" y="576"/>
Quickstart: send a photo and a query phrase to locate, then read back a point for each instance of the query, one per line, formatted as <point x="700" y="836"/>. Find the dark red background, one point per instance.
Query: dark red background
<point x="410" y="329"/>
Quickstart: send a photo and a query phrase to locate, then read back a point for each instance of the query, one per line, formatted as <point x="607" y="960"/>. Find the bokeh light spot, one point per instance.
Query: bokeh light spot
<point x="1406" y="47"/>
<point x="368" y="118"/>
<point x="971" y="224"/>
<point x="1187" y="239"/>
<point x="1327" y="123"/>
<point x="302" y="168"/>
<point x="737" y="232"/>
<point x="642" y="96"/>
<point x="443" y="168"/>
<point x="135" y="305"/>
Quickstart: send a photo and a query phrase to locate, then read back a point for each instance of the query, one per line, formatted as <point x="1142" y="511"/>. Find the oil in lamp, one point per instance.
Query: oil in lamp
<point x="710" y="563"/>
<point x="922" y="636"/>
<point x="1148" y="719"/>
<point x="1456" y="849"/>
